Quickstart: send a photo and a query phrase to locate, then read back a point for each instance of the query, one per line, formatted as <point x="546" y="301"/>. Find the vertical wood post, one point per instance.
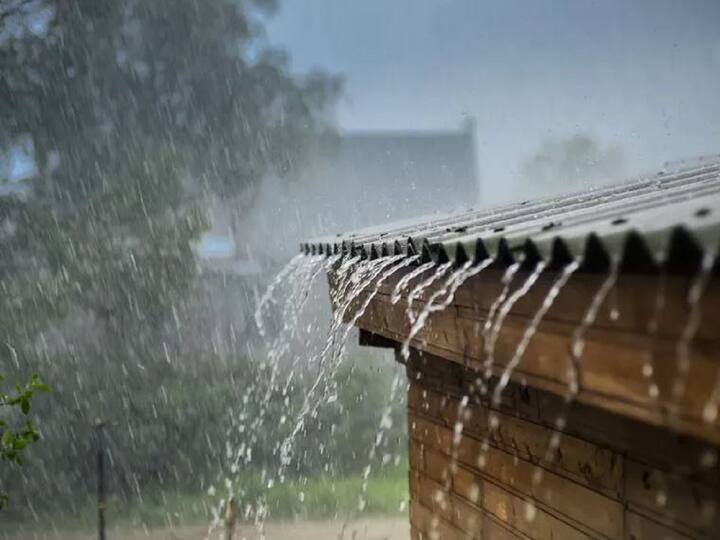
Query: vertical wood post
<point x="99" y="425"/>
<point x="230" y="517"/>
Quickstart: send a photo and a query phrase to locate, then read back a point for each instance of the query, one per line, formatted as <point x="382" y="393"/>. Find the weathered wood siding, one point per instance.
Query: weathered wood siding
<point x="612" y="478"/>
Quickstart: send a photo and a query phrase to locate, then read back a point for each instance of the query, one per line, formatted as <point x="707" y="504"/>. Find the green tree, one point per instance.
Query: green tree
<point x="14" y="440"/>
<point x="134" y="111"/>
<point x="572" y="161"/>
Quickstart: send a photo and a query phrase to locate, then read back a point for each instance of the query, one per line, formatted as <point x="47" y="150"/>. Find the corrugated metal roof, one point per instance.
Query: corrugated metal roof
<point x="672" y="218"/>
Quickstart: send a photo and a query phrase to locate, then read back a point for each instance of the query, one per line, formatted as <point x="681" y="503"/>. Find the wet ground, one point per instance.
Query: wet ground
<point x="391" y="528"/>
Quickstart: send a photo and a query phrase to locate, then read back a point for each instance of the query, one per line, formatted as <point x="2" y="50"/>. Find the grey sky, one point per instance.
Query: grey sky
<point x="643" y="74"/>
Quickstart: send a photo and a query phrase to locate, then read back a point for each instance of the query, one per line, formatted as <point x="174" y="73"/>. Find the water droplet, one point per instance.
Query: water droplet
<point x="710" y="412"/>
<point x="709" y="458"/>
<point x="530" y="511"/>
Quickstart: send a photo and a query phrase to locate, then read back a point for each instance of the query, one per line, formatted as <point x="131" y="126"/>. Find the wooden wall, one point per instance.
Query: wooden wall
<point x="612" y="478"/>
<point x="618" y="347"/>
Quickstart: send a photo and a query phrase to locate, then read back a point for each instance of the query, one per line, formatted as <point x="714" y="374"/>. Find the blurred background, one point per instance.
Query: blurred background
<point x="161" y="160"/>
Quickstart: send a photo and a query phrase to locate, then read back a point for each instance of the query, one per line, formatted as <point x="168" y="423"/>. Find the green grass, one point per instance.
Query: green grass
<point x="327" y="497"/>
<point x="320" y="497"/>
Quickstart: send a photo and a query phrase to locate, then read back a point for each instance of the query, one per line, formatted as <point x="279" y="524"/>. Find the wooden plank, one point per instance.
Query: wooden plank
<point x="415" y="454"/>
<point x="639" y="527"/>
<point x="673" y="500"/>
<point x="597" y="467"/>
<point x="432" y="526"/>
<point x="633" y="300"/>
<point x="585" y="508"/>
<point x="471" y="519"/>
<point x="512" y="509"/>
<point x="645" y="443"/>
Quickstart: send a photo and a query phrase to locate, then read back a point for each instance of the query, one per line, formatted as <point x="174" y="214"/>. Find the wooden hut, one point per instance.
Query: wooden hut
<point x="569" y="389"/>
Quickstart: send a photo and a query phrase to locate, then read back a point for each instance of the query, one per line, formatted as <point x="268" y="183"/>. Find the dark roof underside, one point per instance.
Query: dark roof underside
<point x="671" y="219"/>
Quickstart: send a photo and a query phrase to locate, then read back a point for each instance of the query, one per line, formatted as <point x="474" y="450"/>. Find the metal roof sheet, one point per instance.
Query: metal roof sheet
<point x="672" y="218"/>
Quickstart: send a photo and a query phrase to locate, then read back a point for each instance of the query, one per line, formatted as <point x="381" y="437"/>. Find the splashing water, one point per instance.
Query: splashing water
<point x="385" y="424"/>
<point x="298" y="275"/>
<point x="351" y="276"/>
<point x="301" y="283"/>
<point x="292" y="265"/>
<point x="376" y="272"/>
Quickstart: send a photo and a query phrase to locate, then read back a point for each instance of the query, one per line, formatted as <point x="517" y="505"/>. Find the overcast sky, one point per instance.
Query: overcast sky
<point x="644" y="74"/>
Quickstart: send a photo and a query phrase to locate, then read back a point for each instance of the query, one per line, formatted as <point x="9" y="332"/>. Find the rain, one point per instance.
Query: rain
<point x="381" y="270"/>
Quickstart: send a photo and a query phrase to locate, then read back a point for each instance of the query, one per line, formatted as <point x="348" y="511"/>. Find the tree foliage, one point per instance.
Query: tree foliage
<point x="134" y="112"/>
<point x="14" y="440"/>
<point x="572" y="161"/>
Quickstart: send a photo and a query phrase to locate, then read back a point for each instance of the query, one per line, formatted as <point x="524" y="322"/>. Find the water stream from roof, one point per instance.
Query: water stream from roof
<point x="449" y="288"/>
<point x="386" y="422"/>
<point x="506" y="282"/>
<point x="694" y="300"/>
<point x="356" y="281"/>
<point x="577" y="347"/>
<point x="694" y="297"/>
<point x="507" y="306"/>
<point x="403" y="283"/>
<point x="293" y="282"/>
<point x="653" y="327"/>
<point x="531" y="328"/>
<point x="367" y="273"/>
<point x="420" y="288"/>
<point x="292" y="265"/>
<point x="300" y="281"/>
<point x="504" y="310"/>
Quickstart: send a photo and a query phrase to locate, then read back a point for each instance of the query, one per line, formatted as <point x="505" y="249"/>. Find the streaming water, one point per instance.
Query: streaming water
<point x="695" y="293"/>
<point x="369" y="272"/>
<point x="301" y="282"/>
<point x="403" y="283"/>
<point x="296" y="279"/>
<point x="506" y="282"/>
<point x="351" y="276"/>
<point x="377" y="273"/>
<point x="577" y="347"/>
<point x="531" y="328"/>
<point x="386" y="423"/>
<point x="449" y="288"/>
<point x="292" y="265"/>
<point x="505" y="310"/>
<point x="420" y="288"/>
<point x="648" y="368"/>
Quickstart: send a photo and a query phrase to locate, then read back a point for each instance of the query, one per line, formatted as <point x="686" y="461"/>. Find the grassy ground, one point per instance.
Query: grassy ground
<point x="370" y="528"/>
<point x="318" y="505"/>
